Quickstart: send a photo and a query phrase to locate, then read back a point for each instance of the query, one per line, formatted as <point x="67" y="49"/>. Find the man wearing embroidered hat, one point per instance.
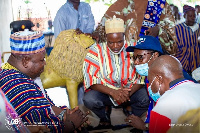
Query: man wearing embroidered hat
<point x="109" y="78"/>
<point x="144" y="17"/>
<point x="188" y="40"/>
<point x="32" y="103"/>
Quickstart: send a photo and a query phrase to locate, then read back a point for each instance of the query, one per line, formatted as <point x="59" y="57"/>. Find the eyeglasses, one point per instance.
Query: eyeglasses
<point x="140" y="57"/>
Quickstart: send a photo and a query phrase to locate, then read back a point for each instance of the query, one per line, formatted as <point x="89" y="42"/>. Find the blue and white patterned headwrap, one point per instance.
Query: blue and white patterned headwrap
<point x="27" y="42"/>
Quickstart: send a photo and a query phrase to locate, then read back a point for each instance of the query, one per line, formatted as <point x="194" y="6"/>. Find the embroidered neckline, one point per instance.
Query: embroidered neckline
<point x="8" y="66"/>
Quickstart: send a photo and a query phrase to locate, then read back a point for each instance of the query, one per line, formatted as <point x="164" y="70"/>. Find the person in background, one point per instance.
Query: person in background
<point x="188" y="40"/>
<point x="147" y="49"/>
<point x="32" y="103"/>
<point x="178" y="17"/>
<point x="109" y="78"/>
<point x="143" y="17"/>
<point x="197" y="8"/>
<point x="174" y="95"/>
<point x="171" y="6"/>
<point x="74" y="15"/>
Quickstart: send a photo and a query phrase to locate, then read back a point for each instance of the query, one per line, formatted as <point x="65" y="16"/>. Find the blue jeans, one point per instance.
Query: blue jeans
<point x="97" y="101"/>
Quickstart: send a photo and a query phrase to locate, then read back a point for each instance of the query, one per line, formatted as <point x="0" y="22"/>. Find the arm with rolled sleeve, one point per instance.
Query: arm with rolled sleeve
<point x="91" y="69"/>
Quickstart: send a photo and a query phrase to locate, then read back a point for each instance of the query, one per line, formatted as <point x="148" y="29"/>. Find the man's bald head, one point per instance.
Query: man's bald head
<point x="164" y="70"/>
<point x="167" y="66"/>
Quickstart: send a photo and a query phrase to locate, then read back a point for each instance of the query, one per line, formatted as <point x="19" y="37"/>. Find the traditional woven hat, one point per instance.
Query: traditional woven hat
<point x="187" y="8"/>
<point x="114" y="25"/>
<point x="27" y="42"/>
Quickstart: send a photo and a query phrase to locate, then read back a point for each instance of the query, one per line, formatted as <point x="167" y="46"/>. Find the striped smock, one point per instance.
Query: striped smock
<point x="28" y="100"/>
<point x="188" y="47"/>
<point x="10" y="122"/>
<point x="112" y="70"/>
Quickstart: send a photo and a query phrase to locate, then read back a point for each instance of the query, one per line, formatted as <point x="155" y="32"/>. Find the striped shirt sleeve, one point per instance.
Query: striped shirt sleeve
<point x="91" y="68"/>
<point x="29" y="101"/>
<point x="34" y="108"/>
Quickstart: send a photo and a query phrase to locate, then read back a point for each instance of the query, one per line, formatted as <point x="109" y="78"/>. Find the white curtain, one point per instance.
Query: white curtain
<point x="6" y="17"/>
